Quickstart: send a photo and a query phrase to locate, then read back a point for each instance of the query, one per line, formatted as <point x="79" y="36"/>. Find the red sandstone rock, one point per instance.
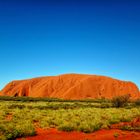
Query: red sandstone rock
<point x="71" y="86"/>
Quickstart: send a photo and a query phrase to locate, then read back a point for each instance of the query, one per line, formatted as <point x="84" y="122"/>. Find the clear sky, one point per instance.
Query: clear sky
<point x="40" y="38"/>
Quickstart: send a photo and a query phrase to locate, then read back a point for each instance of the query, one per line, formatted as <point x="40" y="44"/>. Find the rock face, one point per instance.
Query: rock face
<point x="71" y="86"/>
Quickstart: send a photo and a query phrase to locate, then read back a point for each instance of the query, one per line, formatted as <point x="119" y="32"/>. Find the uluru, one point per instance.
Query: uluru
<point x="71" y="86"/>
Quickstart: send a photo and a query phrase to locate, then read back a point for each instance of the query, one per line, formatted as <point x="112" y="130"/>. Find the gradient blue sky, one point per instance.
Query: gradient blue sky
<point x="40" y="38"/>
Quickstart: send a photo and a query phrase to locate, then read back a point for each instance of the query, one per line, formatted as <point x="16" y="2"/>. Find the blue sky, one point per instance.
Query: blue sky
<point x="40" y="38"/>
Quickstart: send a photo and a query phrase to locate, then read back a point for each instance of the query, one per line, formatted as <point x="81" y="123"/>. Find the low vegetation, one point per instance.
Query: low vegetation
<point x="20" y="116"/>
<point x="137" y="102"/>
<point x="121" y="101"/>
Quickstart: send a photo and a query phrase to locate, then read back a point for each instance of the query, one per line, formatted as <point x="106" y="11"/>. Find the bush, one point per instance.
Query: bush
<point x="120" y="101"/>
<point x="66" y="128"/>
<point x="105" y="105"/>
<point x="137" y="102"/>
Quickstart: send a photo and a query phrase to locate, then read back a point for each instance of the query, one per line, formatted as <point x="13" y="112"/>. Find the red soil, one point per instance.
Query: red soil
<point x="113" y="134"/>
<point x="71" y="86"/>
<point x="9" y="117"/>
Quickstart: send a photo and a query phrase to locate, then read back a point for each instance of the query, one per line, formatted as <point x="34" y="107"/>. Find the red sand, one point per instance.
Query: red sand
<point x="112" y="134"/>
<point x="53" y="134"/>
<point x="71" y="86"/>
<point x="9" y="117"/>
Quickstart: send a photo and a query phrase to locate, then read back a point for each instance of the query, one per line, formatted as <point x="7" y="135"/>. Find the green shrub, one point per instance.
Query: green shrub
<point x="13" y="106"/>
<point x="120" y="101"/>
<point x="116" y="135"/>
<point x="66" y="128"/>
<point x="137" y="102"/>
<point x="105" y="105"/>
<point x="126" y="127"/>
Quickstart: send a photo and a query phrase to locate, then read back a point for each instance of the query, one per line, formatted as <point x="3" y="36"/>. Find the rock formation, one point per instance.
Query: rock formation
<point x="71" y="86"/>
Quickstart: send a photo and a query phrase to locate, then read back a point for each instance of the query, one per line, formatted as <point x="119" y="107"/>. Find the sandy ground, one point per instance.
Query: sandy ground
<point x="112" y="134"/>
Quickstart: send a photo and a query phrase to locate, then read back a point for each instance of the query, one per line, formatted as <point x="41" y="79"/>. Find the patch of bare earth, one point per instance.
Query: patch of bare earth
<point x="112" y="134"/>
<point x="9" y="117"/>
